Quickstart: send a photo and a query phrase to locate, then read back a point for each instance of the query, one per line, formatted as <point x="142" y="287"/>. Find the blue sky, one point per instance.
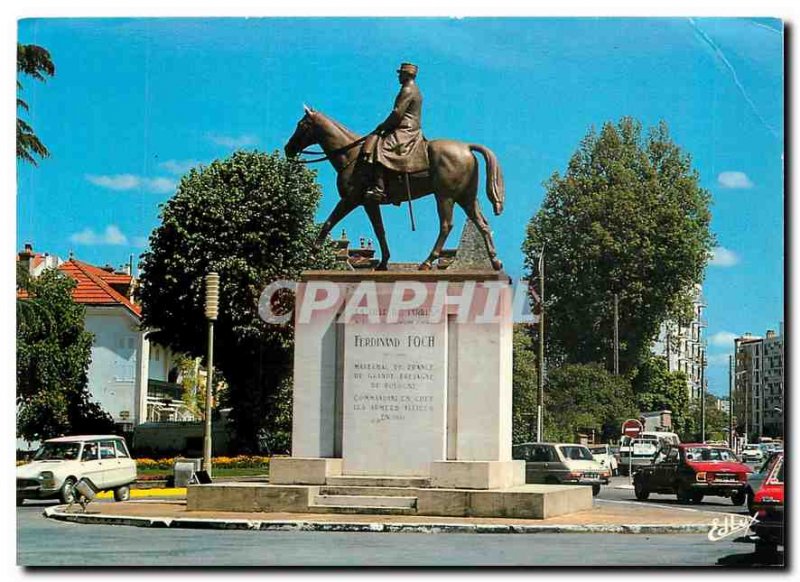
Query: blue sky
<point x="136" y="102"/>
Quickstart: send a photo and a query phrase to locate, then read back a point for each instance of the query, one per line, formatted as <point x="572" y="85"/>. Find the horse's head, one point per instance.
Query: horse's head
<point x="303" y="136"/>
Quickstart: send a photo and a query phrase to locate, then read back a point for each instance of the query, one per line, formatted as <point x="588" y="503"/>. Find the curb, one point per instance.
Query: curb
<point x="140" y="493"/>
<point x="432" y="528"/>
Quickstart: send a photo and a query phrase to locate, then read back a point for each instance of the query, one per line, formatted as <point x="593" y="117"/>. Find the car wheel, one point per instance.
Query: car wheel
<point x="551" y="480"/>
<point x="595" y="490"/>
<point x="683" y="494"/>
<point x="696" y="497"/>
<point x="641" y="493"/>
<point x="20" y="501"/>
<point x="67" y="494"/>
<point x="739" y="497"/>
<point x="122" y="493"/>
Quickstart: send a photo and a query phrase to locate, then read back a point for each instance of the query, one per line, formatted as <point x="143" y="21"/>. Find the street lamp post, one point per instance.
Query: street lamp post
<point x="211" y="310"/>
<point x="540" y="403"/>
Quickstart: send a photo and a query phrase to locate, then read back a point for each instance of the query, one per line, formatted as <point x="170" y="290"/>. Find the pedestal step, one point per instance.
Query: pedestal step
<point x="366" y="501"/>
<point x="377" y="481"/>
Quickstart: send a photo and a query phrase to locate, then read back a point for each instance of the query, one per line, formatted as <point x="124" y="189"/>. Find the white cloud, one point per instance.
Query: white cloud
<point x="122" y="182"/>
<point x="112" y="235"/>
<point x="159" y="185"/>
<point x="717" y="360"/>
<point x="723" y="339"/>
<point x="140" y="241"/>
<point x="117" y="182"/>
<point x="179" y="166"/>
<point x="734" y="180"/>
<point x="233" y="141"/>
<point x="722" y="257"/>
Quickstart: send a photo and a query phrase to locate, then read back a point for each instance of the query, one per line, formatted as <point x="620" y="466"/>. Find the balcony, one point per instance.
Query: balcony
<point x="164" y="390"/>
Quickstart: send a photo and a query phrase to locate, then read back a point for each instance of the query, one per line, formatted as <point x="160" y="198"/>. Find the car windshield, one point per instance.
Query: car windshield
<point x="57" y="452"/>
<point x="576" y="453"/>
<point x="709" y="454"/>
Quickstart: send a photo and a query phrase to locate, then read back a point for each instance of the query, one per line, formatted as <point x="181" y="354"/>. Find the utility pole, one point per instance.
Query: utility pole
<point x="212" y="310"/>
<point x="702" y="395"/>
<point x="730" y="402"/>
<point x="540" y="406"/>
<point x="616" y="334"/>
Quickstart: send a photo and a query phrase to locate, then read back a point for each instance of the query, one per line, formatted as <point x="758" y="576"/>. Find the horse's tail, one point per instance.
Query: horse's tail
<point x="495" y="188"/>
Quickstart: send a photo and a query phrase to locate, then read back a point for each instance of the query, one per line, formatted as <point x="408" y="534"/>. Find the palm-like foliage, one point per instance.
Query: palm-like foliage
<point x="34" y="61"/>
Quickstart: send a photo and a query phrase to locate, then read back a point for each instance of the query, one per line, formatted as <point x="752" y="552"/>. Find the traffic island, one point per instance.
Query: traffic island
<point x="602" y="518"/>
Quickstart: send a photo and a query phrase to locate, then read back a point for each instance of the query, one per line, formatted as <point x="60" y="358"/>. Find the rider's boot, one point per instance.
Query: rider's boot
<point x="377" y="190"/>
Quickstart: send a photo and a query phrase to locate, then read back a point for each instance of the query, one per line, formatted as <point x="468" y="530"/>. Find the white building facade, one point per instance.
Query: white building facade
<point x="683" y="345"/>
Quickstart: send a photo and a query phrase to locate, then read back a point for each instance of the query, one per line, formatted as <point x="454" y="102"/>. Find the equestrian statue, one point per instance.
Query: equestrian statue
<point x="395" y="163"/>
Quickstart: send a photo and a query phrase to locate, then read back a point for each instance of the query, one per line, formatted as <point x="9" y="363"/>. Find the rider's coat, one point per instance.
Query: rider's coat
<point x="402" y="147"/>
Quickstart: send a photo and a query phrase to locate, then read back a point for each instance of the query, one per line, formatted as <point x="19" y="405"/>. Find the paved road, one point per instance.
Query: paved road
<point x="710" y="503"/>
<point x="43" y="542"/>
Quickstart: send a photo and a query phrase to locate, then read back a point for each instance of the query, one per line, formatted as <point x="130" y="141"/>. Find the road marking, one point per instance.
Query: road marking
<point x="645" y="504"/>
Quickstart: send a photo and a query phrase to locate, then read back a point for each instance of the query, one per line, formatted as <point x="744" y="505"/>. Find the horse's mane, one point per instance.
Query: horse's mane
<point x="353" y="135"/>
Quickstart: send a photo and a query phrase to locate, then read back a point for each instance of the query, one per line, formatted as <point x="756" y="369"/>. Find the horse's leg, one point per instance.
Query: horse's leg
<point x="374" y="214"/>
<point x="473" y="212"/>
<point x="444" y="206"/>
<point x="342" y="209"/>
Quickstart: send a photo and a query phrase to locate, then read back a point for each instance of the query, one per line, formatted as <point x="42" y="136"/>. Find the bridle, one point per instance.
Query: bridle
<point x="329" y="155"/>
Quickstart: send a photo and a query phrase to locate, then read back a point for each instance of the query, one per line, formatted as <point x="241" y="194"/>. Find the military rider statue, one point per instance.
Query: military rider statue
<point x="397" y="144"/>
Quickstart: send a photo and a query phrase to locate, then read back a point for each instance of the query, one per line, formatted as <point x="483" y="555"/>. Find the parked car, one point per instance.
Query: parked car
<point x="768" y="505"/>
<point x="561" y="463"/>
<point x="752" y="453"/>
<point x="61" y="462"/>
<point x="757" y="478"/>
<point x="692" y="471"/>
<point x="603" y="455"/>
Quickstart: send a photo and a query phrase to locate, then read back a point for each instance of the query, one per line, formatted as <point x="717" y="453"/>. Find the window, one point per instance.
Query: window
<point x="122" y="450"/>
<point x="672" y="456"/>
<point x="107" y="450"/>
<point x="89" y="452"/>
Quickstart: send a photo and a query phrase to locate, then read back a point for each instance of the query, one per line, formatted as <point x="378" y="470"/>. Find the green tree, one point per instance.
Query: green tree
<point x="656" y="388"/>
<point x="250" y="218"/>
<point x="716" y="421"/>
<point x="525" y="386"/>
<point x="585" y="398"/>
<point x="34" y="61"/>
<point x="629" y="218"/>
<point x="53" y="355"/>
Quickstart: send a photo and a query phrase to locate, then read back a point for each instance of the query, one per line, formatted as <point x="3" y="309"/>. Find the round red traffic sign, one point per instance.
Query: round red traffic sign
<point x="632" y="428"/>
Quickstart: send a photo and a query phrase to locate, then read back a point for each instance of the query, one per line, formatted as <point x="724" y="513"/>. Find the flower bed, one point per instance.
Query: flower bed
<point x="238" y="462"/>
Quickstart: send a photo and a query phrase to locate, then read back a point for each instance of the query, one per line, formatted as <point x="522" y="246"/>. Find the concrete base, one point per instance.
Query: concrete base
<point x="523" y="501"/>
<point x="477" y="474"/>
<point x="302" y="471"/>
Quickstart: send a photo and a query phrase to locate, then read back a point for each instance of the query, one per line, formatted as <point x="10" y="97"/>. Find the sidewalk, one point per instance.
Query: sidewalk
<point x="603" y="518"/>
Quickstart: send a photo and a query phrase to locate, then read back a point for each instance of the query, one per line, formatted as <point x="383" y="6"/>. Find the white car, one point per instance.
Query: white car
<point x="603" y="455"/>
<point x="752" y="453"/>
<point x="61" y="462"/>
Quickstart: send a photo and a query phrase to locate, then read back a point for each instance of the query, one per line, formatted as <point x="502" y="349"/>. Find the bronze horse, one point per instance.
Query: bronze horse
<point x="452" y="178"/>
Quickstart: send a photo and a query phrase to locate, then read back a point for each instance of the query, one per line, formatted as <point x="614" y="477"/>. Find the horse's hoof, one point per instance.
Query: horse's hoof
<point x="382" y="267"/>
<point x="497" y="264"/>
<point x="426" y="266"/>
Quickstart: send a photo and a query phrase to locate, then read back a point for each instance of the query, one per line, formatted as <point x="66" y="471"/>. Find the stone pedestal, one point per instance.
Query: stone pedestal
<point x="420" y="392"/>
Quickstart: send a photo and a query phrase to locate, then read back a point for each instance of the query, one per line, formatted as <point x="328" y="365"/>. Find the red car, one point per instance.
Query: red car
<point x="768" y="503"/>
<point x="692" y="471"/>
